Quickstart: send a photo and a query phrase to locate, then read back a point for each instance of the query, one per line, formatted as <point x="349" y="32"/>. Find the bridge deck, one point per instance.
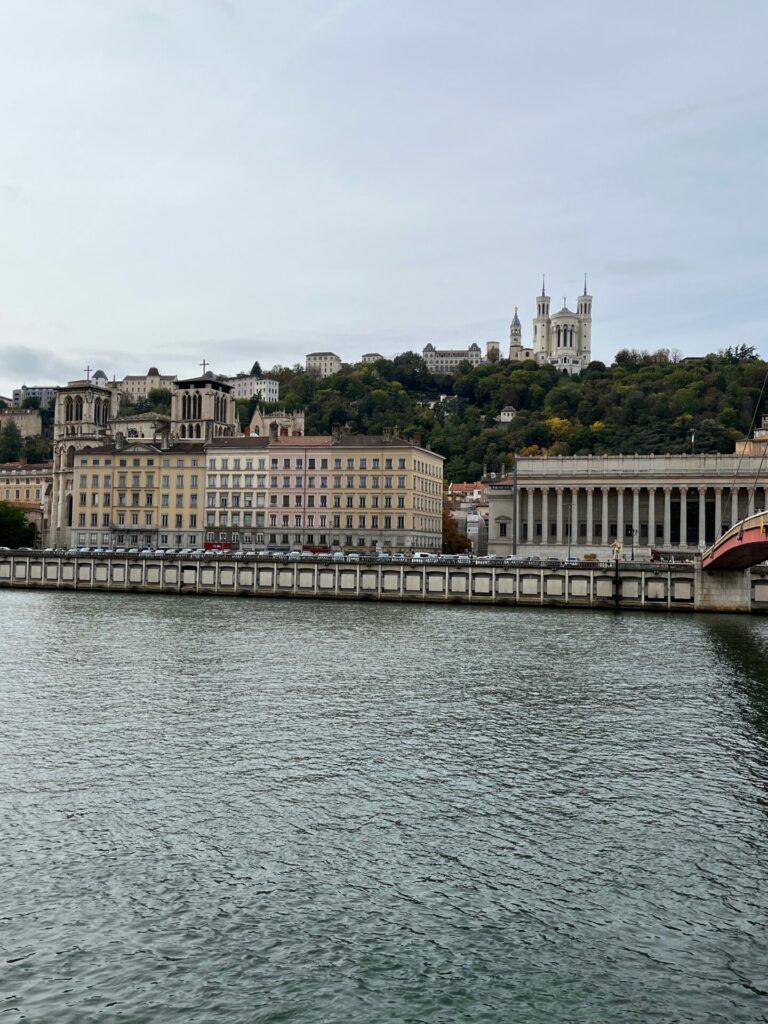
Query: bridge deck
<point x="744" y="545"/>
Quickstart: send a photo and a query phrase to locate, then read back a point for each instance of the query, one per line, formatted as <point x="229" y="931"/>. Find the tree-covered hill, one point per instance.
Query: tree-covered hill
<point x="643" y="403"/>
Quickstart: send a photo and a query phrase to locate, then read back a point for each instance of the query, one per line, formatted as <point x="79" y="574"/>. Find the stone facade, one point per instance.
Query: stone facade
<point x="584" y="504"/>
<point x="323" y="364"/>
<point x="44" y="395"/>
<point x="564" y="339"/>
<point x="246" y="386"/>
<point x="28" y="487"/>
<point x="135" y="386"/>
<point x="446" y="360"/>
<point x="28" y="421"/>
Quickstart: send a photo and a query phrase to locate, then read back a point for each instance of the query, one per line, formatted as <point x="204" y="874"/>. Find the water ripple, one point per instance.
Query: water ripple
<point x="306" y="812"/>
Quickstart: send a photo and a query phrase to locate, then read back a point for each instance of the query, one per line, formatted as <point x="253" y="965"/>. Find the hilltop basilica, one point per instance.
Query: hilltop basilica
<point x="564" y="340"/>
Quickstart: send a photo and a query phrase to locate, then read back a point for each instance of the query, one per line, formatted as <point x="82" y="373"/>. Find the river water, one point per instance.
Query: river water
<point x="302" y="812"/>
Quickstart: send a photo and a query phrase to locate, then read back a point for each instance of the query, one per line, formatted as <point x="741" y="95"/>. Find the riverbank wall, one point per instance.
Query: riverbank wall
<point x="650" y="588"/>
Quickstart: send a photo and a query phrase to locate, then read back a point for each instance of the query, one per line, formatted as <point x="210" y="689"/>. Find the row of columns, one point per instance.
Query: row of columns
<point x="527" y="508"/>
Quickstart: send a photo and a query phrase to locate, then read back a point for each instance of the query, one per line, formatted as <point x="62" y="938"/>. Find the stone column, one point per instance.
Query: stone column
<point x="718" y="511"/>
<point x="751" y="505"/>
<point x="636" y="515"/>
<point x="651" y="517"/>
<point x="545" y="515"/>
<point x="531" y="525"/>
<point x="667" y="517"/>
<point x="734" y="505"/>
<point x="604" y="538"/>
<point x="620" y="515"/>
<point x="702" y="516"/>
<point x="559" y="534"/>
<point x="575" y="515"/>
<point x="683" y="516"/>
<point x="590" y="515"/>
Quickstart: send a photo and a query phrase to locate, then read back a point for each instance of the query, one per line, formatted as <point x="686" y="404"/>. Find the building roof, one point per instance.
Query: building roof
<point x="9" y="467"/>
<point x="313" y="440"/>
<point x="177" y="448"/>
<point x="208" y="378"/>
<point x="311" y="355"/>
<point x="251" y="441"/>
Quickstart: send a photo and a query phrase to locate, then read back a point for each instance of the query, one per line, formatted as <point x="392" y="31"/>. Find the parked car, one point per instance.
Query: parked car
<point x="338" y="556"/>
<point x="353" y="557"/>
<point x="294" y="556"/>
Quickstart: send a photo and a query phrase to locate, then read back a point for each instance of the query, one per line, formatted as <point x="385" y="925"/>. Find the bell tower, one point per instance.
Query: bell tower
<point x="515" y="337"/>
<point x="584" y="314"/>
<point x="541" y="325"/>
<point x="81" y="419"/>
<point x="203" y="408"/>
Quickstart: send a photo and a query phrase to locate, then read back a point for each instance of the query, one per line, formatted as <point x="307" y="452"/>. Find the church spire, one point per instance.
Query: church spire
<point x="543" y="289"/>
<point x="585" y="283"/>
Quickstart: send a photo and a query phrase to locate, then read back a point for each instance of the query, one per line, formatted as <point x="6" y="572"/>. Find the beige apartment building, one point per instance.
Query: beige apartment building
<point x="135" y="386"/>
<point x="27" y="486"/>
<point x="341" y="492"/>
<point x="323" y="364"/>
<point x="139" y="495"/>
<point x="237" y="477"/>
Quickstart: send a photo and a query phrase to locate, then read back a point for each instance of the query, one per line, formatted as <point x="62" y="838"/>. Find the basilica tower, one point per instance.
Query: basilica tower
<point x="541" y="326"/>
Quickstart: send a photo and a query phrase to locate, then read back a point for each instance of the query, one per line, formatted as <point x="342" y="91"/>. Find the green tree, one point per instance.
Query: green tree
<point x="31" y="403"/>
<point x="10" y="442"/>
<point x="15" y="531"/>
<point x="159" y="400"/>
<point x="37" y="449"/>
<point x="454" y="541"/>
<point x="256" y="369"/>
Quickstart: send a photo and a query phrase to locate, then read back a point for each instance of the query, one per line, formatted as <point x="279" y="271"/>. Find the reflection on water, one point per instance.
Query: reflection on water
<point x="231" y="810"/>
<point x="743" y="648"/>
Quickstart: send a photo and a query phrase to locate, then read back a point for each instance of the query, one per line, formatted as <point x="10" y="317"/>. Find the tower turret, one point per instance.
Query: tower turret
<point x="584" y="314"/>
<point x="541" y="325"/>
<point x="515" y="335"/>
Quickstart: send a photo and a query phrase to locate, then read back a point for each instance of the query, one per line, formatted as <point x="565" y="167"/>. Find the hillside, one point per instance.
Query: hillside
<point x="643" y="403"/>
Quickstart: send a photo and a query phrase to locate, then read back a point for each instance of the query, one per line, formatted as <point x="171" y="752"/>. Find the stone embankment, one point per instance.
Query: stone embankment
<point x="652" y="587"/>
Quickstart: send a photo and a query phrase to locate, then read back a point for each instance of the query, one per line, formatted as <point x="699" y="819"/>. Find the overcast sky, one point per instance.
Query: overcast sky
<point x="251" y="179"/>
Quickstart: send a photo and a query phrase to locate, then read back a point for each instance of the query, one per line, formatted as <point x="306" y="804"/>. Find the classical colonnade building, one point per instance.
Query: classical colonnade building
<point x="586" y="503"/>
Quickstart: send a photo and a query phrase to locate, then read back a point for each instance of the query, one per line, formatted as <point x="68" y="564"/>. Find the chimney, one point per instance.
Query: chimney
<point x="23" y="460"/>
<point x="119" y="441"/>
<point x="416" y="439"/>
<point x="273" y="431"/>
<point x="336" y="431"/>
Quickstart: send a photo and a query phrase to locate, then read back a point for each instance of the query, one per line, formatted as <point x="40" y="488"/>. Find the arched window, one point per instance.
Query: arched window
<point x="68" y="407"/>
<point x="183" y="430"/>
<point x="79" y="408"/>
<point x="198" y="406"/>
<point x="197" y="430"/>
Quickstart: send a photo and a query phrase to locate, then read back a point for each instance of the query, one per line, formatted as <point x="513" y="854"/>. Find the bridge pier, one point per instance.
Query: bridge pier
<point x="722" y="591"/>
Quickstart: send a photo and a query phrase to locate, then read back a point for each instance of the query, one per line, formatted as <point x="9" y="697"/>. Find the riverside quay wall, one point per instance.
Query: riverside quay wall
<point x="682" y="587"/>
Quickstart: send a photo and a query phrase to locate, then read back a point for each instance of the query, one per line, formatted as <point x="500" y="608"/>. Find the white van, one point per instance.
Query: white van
<point x="422" y="556"/>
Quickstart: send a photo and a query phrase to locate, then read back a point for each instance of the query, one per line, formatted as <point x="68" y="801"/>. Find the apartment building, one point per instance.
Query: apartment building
<point x="139" y="495"/>
<point x="27" y="487"/>
<point x="236" y="492"/>
<point x="322" y="364"/>
<point x="248" y="386"/>
<point x="324" y="493"/>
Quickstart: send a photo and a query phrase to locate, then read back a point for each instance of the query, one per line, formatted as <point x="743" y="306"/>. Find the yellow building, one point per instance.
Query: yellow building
<point x="139" y="495"/>
<point x="27" y="487"/>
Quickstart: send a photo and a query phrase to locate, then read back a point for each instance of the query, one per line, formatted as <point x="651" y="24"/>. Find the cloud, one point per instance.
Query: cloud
<point x="13" y="193"/>
<point x="33" y="365"/>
